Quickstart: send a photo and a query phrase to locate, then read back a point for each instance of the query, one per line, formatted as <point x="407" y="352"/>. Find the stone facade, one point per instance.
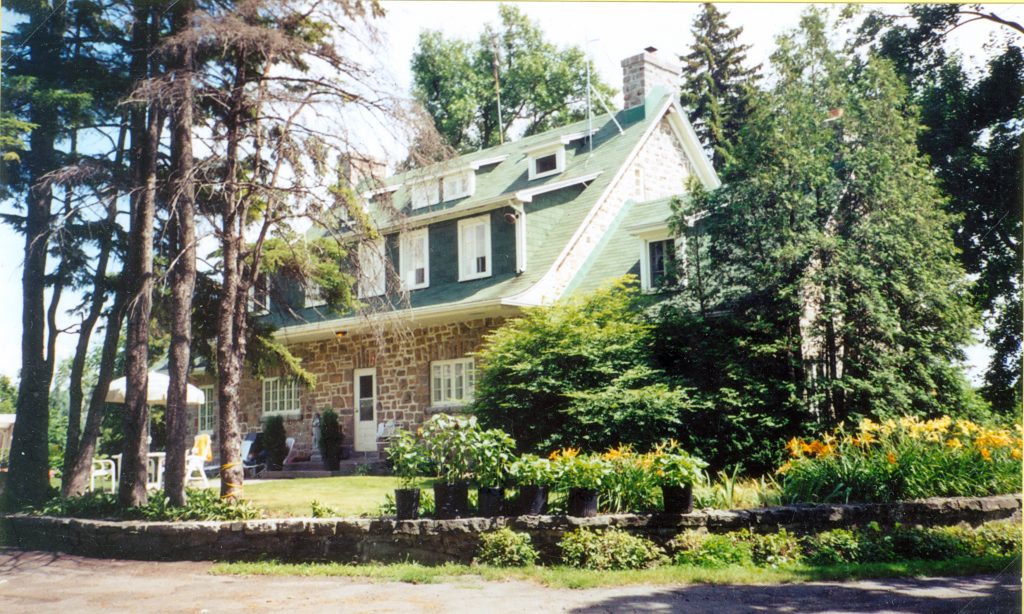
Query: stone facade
<point x="659" y="170"/>
<point x="439" y="541"/>
<point x="401" y="356"/>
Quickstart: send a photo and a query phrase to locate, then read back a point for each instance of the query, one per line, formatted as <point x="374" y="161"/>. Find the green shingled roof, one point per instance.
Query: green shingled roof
<point x="618" y="252"/>
<point x="551" y="218"/>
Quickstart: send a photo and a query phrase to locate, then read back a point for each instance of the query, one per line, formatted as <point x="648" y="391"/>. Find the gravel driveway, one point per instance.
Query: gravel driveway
<point x="59" y="583"/>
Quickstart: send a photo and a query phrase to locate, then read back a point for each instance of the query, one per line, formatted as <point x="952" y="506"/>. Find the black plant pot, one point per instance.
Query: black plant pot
<point x="533" y="500"/>
<point x="678" y="499"/>
<point x="451" y="500"/>
<point x="491" y="502"/>
<point x="582" y="502"/>
<point x="407" y="503"/>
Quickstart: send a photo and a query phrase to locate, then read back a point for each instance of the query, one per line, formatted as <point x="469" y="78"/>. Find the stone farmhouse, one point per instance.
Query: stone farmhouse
<point x="469" y="243"/>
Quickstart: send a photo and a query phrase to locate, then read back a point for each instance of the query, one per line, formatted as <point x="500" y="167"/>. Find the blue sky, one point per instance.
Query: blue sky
<point x="615" y="30"/>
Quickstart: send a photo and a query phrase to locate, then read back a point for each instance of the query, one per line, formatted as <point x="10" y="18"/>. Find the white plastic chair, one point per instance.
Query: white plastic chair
<point x="196" y="460"/>
<point x="385" y="430"/>
<point x="103" y="467"/>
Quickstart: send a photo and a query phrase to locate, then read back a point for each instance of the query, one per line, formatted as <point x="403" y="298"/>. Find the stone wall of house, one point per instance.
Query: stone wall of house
<point x="438" y="541"/>
<point x="401" y="354"/>
<point x="659" y="170"/>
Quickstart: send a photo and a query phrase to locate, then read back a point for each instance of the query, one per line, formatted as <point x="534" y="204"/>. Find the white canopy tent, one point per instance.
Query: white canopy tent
<point x="156" y="392"/>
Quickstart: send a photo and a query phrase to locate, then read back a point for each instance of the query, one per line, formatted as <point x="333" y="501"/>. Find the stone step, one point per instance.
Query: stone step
<point x="311" y="469"/>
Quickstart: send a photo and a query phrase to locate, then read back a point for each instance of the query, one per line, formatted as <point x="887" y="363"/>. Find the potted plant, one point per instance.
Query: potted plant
<point x="330" y="440"/>
<point x="448" y="442"/>
<point x="534" y="476"/>
<point x="581" y="476"/>
<point x="407" y="462"/>
<point x="492" y="454"/>
<point x="676" y="471"/>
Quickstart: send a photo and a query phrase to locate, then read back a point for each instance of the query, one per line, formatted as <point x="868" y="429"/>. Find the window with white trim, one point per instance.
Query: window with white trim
<point x="459" y="185"/>
<point x="371" y="269"/>
<point x="475" y="248"/>
<point x="425" y="193"/>
<point x="546" y="162"/>
<point x="452" y="382"/>
<point x="313" y="295"/>
<point x="280" y="396"/>
<point x="207" y="419"/>
<point x="414" y="258"/>
<point x="659" y="262"/>
<point x="259" y="294"/>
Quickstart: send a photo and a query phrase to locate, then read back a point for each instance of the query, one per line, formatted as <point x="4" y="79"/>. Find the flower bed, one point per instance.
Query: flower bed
<point x="903" y="459"/>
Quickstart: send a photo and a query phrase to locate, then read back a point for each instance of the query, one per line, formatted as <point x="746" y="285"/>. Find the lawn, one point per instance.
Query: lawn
<point x="346" y="495"/>
<point x="568" y="577"/>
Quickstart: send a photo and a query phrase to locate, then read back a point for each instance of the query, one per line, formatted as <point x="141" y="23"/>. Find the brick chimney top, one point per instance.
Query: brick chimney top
<point x="643" y="72"/>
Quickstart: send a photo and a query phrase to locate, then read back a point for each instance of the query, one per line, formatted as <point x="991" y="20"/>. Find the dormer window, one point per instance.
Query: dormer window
<point x="425" y="193"/>
<point x="659" y="261"/>
<point x="547" y="160"/>
<point x="458" y="185"/>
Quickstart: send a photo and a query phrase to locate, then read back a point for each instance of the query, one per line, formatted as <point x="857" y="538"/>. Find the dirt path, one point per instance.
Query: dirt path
<point x="45" y="582"/>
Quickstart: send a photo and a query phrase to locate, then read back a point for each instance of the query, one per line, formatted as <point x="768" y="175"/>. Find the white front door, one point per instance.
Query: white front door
<point x="366" y="410"/>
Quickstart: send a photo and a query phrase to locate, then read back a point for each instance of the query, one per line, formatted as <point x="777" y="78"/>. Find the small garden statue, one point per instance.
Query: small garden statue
<point x="315" y="454"/>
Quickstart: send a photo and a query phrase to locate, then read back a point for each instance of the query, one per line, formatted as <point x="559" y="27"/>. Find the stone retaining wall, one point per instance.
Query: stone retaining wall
<point x="438" y="541"/>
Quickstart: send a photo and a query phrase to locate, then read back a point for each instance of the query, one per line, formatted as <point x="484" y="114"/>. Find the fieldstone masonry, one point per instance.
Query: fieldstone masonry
<point x="643" y="72"/>
<point x="439" y="541"/>
<point x="402" y="357"/>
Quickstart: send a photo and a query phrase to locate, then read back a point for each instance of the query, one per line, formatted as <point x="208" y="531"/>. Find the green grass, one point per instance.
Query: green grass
<point x="568" y="577"/>
<point x="347" y="495"/>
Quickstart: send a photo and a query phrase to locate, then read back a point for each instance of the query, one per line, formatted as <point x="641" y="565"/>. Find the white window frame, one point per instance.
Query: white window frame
<point x="407" y="264"/>
<point x="467" y="266"/>
<point x="209" y="407"/>
<point x="425" y="193"/>
<point x="446" y="390"/>
<point x="655" y="236"/>
<point x="254" y="305"/>
<point x="313" y="295"/>
<point x="372" y="269"/>
<point x="458" y="185"/>
<point x="559" y="153"/>
<point x="280" y="397"/>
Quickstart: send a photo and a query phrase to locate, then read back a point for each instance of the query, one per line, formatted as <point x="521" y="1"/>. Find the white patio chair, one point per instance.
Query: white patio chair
<point x="201" y="452"/>
<point x="386" y="430"/>
<point x="103" y="467"/>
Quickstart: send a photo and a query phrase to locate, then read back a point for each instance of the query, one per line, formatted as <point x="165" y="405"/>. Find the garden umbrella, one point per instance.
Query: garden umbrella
<point x="156" y="393"/>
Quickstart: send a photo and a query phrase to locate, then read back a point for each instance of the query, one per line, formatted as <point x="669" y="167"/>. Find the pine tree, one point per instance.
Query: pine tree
<point x="832" y="248"/>
<point x="717" y="86"/>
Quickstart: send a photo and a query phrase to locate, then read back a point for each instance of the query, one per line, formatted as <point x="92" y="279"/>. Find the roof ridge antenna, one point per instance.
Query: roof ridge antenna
<point x="590" y="110"/>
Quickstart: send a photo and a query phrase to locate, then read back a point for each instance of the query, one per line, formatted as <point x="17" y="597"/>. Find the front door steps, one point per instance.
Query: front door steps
<point x="360" y="463"/>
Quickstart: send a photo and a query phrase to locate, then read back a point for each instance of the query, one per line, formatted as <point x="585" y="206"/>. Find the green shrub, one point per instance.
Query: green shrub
<point x="322" y="511"/>
<point x="932" y="543"/>
<point x="202" y="504"/>
<point x="999" y="539"/>
<point x="407" y="458"/>
<point x="275" y="441"/>
<point x="710" y="550"/>
<point x="577" y="374"/>
<point x="492" y="456"/>
<point x="609" y="549"/>
<point x="834" y="547"/>
<point x="775" y="549"/>
<point x="330" y="439"/>
<point x="506" y="548"/>
<point x="448" y="443"/>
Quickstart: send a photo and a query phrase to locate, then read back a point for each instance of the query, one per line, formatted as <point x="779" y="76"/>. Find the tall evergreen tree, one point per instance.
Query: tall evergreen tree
<point x="717" y="85"/>
<point x="973" y="140"/>
<point x="831" y="246"/>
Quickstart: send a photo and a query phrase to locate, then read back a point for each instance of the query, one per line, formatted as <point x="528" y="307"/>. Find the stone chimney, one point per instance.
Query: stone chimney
<point x="641" y="73"/>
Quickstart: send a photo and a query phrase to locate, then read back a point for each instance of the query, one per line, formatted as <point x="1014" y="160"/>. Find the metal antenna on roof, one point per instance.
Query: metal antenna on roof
<point x="590" y="110"/>
<point x="497" y="89"/>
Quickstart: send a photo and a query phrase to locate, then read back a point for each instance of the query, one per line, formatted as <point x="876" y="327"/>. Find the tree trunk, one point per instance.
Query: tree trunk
<point x="28" y="479"/>
<point x="183" y="268"/>
<point x="76" y="481"/>
<point x="145" y="138"/>
<point x="231" y="328"/>
<point x="76" y="392"/>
